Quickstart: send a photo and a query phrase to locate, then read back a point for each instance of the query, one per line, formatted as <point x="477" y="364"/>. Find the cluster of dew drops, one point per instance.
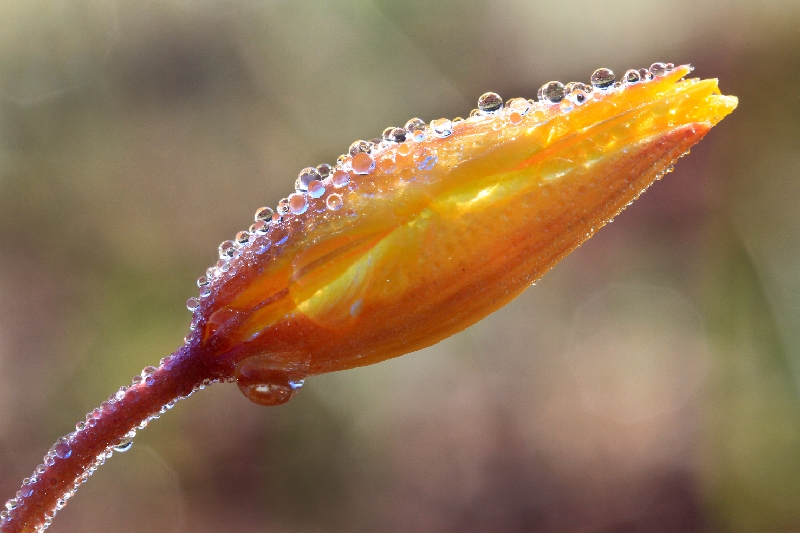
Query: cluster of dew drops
<point x="322" y="187"/>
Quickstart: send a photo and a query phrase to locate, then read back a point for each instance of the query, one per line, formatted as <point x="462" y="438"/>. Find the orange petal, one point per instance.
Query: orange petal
<point x="439" y="233"/>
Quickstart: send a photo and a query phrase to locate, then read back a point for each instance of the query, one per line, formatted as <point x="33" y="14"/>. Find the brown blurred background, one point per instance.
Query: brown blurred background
<point x="649" y="383"/>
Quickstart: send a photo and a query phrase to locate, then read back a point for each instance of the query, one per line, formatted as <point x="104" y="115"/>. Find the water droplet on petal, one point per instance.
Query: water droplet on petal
<point x="418" y="136"/>
<point x="360" y="147"/>
<point x="227" y="250"/>
<point x="242" y="237"/>
<point x="387" y="166"/>
<point x="578" y="97"/>
<point x="316" y="189"/>
<point x="519" y="105"/>
<point x="306" y="176"/>
<point x="297" y="204"/>
<point x="124" y="445"/>
<point x="192" y="303"/>
<point x="658" y="69"/>
<point x="577" y="86"/>
<point x="283" y="207"/>
<point x="632" y="76"/>
<point x="396" y="135"/>
<point x="603" y="78"/>
<point x="551" y="92"/>
<point x="362" y="163"/>
<point x="264" y="213"/>
<point x="259" y="227"/>
<point x="334" y="202"/>
<point x="340" y="178"/>
<point x="490" y="102"/>
<point x="442" y="127"/>
<point x="324" y="170"/>
<point x="414" y="124"/>
<point x="263" y="382"/>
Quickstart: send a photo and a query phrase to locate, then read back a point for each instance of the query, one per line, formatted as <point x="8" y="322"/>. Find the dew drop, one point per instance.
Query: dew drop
<point x="490" y="102"/>
<point x="124" y="445"/>
<point x="264" y="383"/>
<point x="603" y="78"/>
<point x="515" y="118"/>
<point x="414" y="124"/>
<point x="334" y="202"/>
<point x="418" y="136"/>
<point x="259" y="227"/>
<point x="62" y="449"/>
<point x="340" y="178"/>
<point x="360" y="147"/>
<point x="551" y="92"/>
<point x="669" y="67"/>
<point x="192" y="303"/>
<point x="316" y="189"/>
<point x="264" y="213"/>
<point x="395" y="135"/>
<point x="658" y="69"/>
<point x="283" y="207"/>
<point x="242" y="237"/>
<point x="519" y="105"/>
<point x="633" y="76"/>
<point x="306" y="176"/>
<point x="387" y="166"/>
<point x="324" y="170"/>
<point x="578" y="97"/>
<point x="297" y="204"/>
<point x="362" y="163"/>
<point x="202" y="281"/>
<point x="227" y="249"/>
<point x="442" y="127"/>
<point x="577" y="86"/>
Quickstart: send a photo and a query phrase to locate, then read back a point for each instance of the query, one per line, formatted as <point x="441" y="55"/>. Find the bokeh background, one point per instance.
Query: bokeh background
<point x="649" y="383"/>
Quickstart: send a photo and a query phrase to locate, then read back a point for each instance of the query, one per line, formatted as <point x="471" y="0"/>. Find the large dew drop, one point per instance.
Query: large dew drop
<point x="603" y="78"/>
<point x="490" y="102"/>
<point x="551" y="92"/>
<point x="263" y="381"/>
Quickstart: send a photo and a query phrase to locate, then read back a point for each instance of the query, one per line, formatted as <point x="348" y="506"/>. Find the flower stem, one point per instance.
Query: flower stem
<point x="110" y="427"/>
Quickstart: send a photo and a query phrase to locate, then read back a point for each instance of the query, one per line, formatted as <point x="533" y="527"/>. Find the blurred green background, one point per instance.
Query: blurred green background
<point x="649" y="383"/>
